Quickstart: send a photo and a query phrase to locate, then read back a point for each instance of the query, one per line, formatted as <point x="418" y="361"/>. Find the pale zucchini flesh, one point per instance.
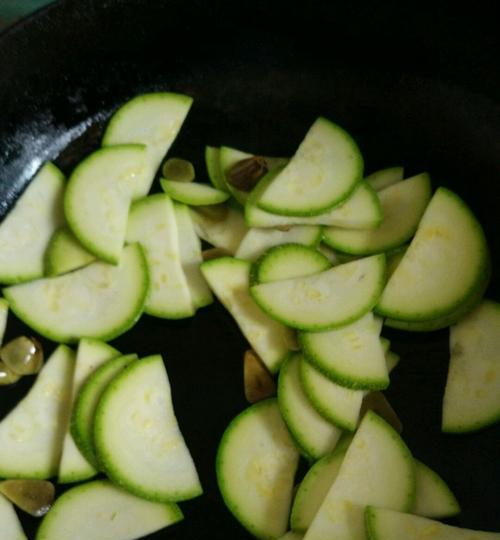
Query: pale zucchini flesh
<point x="229" y="280"/>
<point x="103" y="511"/>
<point x="403" y="205"/>
<point x="153" y="120"/>
<point x="27" y="229"/>
<point x="472" y="395"/>
<point x="329" y="299"/>
<point x="98" y="195"/>
<point x="256" y="464"/>
<point x="99" y="301"/>
<point x="257" y="241"/>
<point x="314" y="435"/>
<point x="31" y="435"/>
<point x="322" y="173"/>
<point x="11" y="526"/>
<point x="65" y="253"/>
<point x="152" y="223"/>
<point x="444" y="266"/>
<point x="378" y="469"/>
<point x="193" y="193"/>
<point x="91" y="353"/>
<point x="214" y="170"/>
<point x="386" y="524"/>
<point x="385" y="177"/>
<point x="137" y="437"/>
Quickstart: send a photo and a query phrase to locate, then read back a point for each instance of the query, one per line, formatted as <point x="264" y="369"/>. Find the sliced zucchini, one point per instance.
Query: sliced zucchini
<point x="100" y="301"/>
<point x="314" y="435"/>
<point x="193" y="193"/>
<point x="385" y="524"/>
<point x="98" y="195"/>
<point x="433" y="498"/>
<point x="100" y="510"/>
<point x="153" y="120"/>
<point x="288" y="261"/>
<point x="4" y="312"/>
<point x="385" y="177"/>
<point x="221" y="226"/>
<point x="313" y="489"/>
<point x="137" y="438"/>
<point x="26" y="231"/>
<point x="377" y="469"/>
<point x="256" y="464"/>
<point x="361" y="210"/>
<point x="444" y="266"/>
<point x="11" y="526"/>
<point x="329" y="299"/>
<point x="191" y="257"/>
<point x="403" y="205"/>
<point x="152" y="223"/>
<point x="292" y="535"/>
<point x="229" y="279"/>
<point x="323" y="172"/>
<point x="351" y="356"/>
<point x="82" y="418"/>
<point x="472" y="394"/>
<point x="330" y="254"/>
<point x="64" y="253"/>
<point x="257" y="241"/>
<point x="214" y="170"/>
<point x="31" y="435"/>
<point x="91" y="353"/>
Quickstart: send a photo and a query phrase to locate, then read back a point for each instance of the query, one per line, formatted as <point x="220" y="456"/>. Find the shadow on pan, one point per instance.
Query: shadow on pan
<point x="259" y="76"/>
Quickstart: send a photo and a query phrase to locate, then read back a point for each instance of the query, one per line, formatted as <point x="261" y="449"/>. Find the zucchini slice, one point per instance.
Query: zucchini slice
<point x="91" y="353"/>
<point x="257" y="241"/>
<point x="4" y="313"/>
<point x="193" y="193"/>
<point x="152" y="223"/>
<point x="292" y="535"/>
<point x="361" y="210"/>
<point x="137" y="438"/>
<point x="191" y="257"/>
<point x="313" y="490"/>
<point x="444" y="266"/>
<point x="256" y="464"/>
<point x="472" y="394"/>
<point x="323" y="172"/>
<point x="100" y="301"/>
<point x="221" y="226"/>
<point x="403" y="205"/>
<point x="100" y="510"/>
<point x="153" y="120"/>
<point x="82" y="418"/>
<point x="214" y="170"/>
<point x="351" y="356"/>
<point x="377" y="469"/>
<point x="11" y="526"/>
<point x="31" y="435"/>
<point x="287" y="261"/>
<point x="97" y="199"/>
<point x="329" y="299"/>
<point x="433" y="498"/>
<point x="385" y="177"/>
<point x="229" y="279"/>
<point x="27" y="229"/>
<point x="314" y="435"/>
<point x="385" y="524"/>
<point x="64" y="253"/>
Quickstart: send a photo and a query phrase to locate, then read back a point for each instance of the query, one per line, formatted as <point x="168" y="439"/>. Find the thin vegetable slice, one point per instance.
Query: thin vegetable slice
<point x="193" y="193"/>
<point x="385" y="177"/>
<point x="65" y="253"/>
<point x="11" y="526"/>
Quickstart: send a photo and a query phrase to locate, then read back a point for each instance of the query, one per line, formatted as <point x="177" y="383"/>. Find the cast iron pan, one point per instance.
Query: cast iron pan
<point x="413" y="88"/>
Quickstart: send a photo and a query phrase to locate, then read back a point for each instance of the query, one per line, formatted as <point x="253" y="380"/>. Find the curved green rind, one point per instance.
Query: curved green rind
<point x="192" y="193"/>
<point x="214" y="170"/>
<point x="468" y="292"/>
<point x="356" y="173"/>
<point x="86" y="504"/>
<point x="72" y="202"/>
<point x="433" y="499"/>
<point x="260" y="531"/>
<point x="24" y="312"/>
<point x="263" y="269"/>
<point x="105" y="458"/>
<point x="297" y="321"/>
<point x="64" y="253"/>
<point x="82" y="418"/>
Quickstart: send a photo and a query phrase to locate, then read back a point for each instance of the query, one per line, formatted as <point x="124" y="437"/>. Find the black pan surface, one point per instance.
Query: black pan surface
<point x="414" y="88"/>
